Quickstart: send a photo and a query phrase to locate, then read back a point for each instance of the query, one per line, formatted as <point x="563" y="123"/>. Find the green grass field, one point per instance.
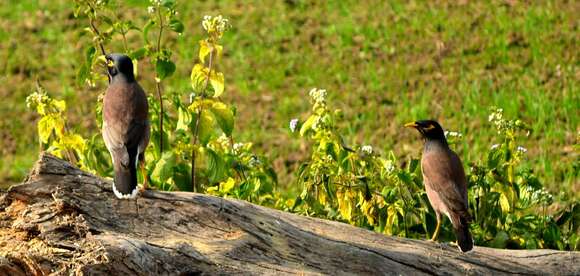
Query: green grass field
<point x="383" y="64"/>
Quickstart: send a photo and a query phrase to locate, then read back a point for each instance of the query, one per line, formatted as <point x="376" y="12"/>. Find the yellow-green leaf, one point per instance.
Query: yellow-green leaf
<point x="164" y="168"/>
<point x="73" y="141"/>
<point x="217" y="82"/>
<point x="60" y="105"/>
<point x="204" y="49"/>
<point x="224" y="117"/>
<point x="206" y="126"/>
<point x="198" y="76"/>
<point x="183" y="119"/>
<point x="308" y="124"/>
<point x="227" y="185"/>
<point x="45" y="127"/>
<point x="504" y="203"/>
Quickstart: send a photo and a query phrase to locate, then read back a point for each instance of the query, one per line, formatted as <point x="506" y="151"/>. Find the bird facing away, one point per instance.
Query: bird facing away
<point x="126" y="128"/>
<point x="445" y="182"/>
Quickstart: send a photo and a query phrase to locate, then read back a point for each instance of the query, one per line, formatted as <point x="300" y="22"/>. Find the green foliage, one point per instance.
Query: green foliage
<point x="353" y="184"/>
<point x="509" y="202"/>
<point x="200" y="137"/>
<point x="358" y="186"/>
<point x="53" y="133"/>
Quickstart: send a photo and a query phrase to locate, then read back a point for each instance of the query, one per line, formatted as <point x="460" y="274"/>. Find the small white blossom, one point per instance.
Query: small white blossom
<point x="318" y="95"/>
<point x="238" y="146"/>
<point x="453" y="134"/>
<point x="151" y="9"/>
<point x="367" y="149"/>
<point x="389" y="166"/>
<point x="496" y="116"/>
<point x="156" y="2"/>
<point x="216" y="24"/>
<point x="495" y="146"/>
<point x="224" y="141"/>
<point x="521" y="149"/>
<point x="293" y="124"/>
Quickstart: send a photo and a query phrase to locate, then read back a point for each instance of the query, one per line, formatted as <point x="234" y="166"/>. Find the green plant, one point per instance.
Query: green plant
<point x="358" y="186"/>
<point x="509" y="202"/>
<point x="53" y="133"/>
<point x="192" y="148"/>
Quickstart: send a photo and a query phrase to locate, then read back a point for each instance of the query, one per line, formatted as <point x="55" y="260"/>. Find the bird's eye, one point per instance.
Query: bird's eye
<point x="113" y="71"/>
<point x="430" y="127"/>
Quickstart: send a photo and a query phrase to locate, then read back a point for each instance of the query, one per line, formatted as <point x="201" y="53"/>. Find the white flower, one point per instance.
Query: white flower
<point x="367" y="149"/>
<point x="521" y="149"/>
<point x="238" y="146"/>
<point x="318" y="95"/>
<point x="495" y="146"/>
<point x="453" y="134"/>
<point x="155" y="2"/>
<point x="293" y="124"/>
<point x="389" y="166"/>
<point x="150" y="9"/>
<point x="224" y="141"/>
<point x="216" y="24"/>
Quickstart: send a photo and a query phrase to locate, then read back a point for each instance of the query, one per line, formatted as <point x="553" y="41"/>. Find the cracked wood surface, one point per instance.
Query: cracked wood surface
<point x="66" y="221"/>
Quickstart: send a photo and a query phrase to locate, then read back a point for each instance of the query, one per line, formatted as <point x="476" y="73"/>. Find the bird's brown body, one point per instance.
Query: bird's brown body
<point x="445" y="182"/>
<point x="126" y="128"/>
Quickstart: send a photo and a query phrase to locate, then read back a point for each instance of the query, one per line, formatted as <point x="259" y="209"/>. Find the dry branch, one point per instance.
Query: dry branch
<point x="66" y="221"/>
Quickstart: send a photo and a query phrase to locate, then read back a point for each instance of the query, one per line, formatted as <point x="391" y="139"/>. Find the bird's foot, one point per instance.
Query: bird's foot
<point x="143" y="188"/>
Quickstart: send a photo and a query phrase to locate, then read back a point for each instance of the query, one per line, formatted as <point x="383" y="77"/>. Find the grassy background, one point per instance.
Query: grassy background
<point x="382" y="63"/>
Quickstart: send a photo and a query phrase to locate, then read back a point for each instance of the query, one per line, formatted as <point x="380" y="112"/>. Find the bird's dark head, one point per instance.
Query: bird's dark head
<point x="430" y="129"/>
<point x="120" y="65"/>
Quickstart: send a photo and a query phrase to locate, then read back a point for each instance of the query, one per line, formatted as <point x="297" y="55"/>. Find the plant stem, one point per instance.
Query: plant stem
<point x="94" y="28"/>
<point x="196" y="129"/>
<point x="158" y="84"/>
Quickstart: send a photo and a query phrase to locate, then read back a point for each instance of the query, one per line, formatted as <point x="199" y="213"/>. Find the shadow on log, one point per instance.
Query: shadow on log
<point x="66" y="221"/>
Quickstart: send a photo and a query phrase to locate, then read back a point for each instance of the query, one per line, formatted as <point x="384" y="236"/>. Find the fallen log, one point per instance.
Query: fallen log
<point x="63" y="220"/>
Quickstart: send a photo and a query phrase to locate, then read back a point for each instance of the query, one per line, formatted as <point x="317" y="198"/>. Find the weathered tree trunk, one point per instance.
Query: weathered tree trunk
<point x="66" y="221"/>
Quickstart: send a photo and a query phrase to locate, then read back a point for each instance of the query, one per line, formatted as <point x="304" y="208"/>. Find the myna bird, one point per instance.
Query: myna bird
<point x="445" y="182"/>
<point x="126" y="128"/>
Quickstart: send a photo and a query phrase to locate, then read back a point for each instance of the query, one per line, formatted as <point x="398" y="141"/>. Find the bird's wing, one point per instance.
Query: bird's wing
<point x="115" y="144"/>
<point x="444" y="174"/>
<point x="125" y="123"/>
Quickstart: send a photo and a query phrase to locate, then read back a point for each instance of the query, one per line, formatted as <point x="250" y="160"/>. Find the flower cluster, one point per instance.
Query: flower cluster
<point x="215" y="25"/>
<point x="154" y="5"/>
<point x="367" y="149"/>
<point x="37" y="98"/>
<point x="453" y="134"/>
<point x="318" y="95"/>
<point x="238" y="147"/>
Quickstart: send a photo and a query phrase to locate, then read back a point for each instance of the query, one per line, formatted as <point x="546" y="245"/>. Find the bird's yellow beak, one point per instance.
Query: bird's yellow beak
<point x="412" y="124"/>
<point x="109" y="63"/>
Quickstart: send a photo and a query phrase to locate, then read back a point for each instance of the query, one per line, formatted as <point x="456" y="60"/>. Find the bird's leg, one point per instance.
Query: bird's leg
<point x="437" y="228"/>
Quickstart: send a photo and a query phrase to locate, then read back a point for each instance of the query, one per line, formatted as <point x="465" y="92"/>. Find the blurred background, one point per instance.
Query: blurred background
<point x="384" y="63"/>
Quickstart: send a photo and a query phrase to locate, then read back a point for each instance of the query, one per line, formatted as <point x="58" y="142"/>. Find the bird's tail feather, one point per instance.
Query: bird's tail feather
<point x="464" y="239"/>
<point x="125" y="180"/>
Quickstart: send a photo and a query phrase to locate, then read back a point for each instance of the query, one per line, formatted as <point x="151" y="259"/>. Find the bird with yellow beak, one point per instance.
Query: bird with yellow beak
<point x="445" y="182"/>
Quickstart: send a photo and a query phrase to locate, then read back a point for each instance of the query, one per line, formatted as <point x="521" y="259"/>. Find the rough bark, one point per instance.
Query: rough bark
<point x="66" y="221"/>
